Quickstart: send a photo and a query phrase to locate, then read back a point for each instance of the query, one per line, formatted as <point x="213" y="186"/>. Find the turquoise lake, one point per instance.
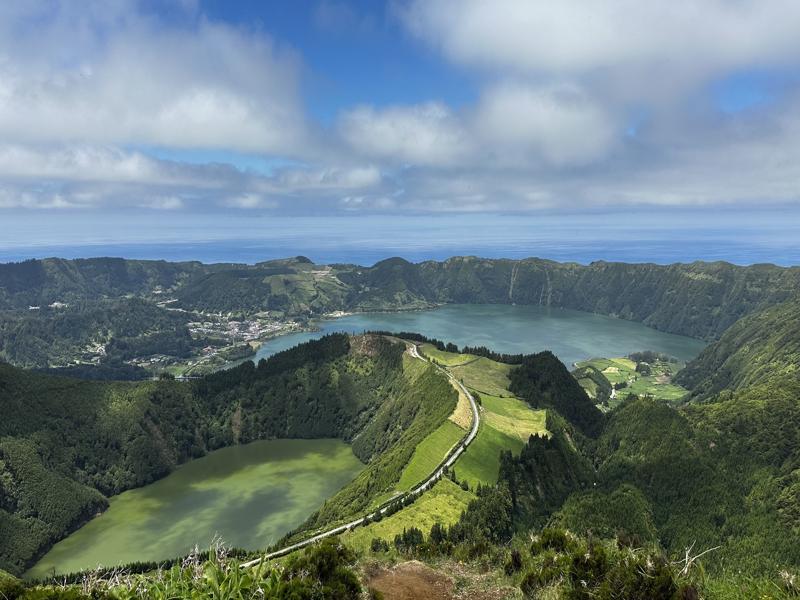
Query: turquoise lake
<point x="570" y="334"/>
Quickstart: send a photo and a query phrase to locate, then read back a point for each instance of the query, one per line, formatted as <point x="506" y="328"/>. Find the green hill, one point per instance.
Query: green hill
<point x="42" y="282"/>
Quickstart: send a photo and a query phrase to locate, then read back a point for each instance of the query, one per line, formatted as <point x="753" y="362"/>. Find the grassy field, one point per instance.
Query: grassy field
<point x="623" y="371"/>
<point x="429" y="454"/>
<point x="481" y="462"/>
<point x="513" y="417"/>
<point x="485" y="376"/>
<point x="447" y="359"/>
<point x="412" y="367"/>
<point x="589" y="386"/>
<point x="443" y="503"/>
<point x="462" y="415"/>
<point x="506" y="425"/>
<point x="506" y="422"/>
<point x="616" y="370"/>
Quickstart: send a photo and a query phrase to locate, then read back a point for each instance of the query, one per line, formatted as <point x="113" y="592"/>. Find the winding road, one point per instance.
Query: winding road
<point x="447" y="461"/>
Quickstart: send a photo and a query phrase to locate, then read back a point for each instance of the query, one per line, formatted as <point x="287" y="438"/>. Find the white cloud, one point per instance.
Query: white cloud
<point x="426" y="133"/>
<point x="664" y="42"/>
<point x="360" y="203"/>
<point x="513" y="124"/>
<point x="130" y="80"/>
<point x="560" y="125"/>
<point x="557" y="82"/>
<point x="248" y="201"/>
<point x="92" y="176"/>
<point x="330" y="178"/>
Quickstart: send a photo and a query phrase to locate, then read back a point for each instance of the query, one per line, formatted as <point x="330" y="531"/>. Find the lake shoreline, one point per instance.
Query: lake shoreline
<point x="403" y="320"/>
<point x="169" y="516"/>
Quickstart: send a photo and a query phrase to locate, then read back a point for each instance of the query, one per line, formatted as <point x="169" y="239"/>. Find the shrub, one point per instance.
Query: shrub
<point x="514" y="563"/>
<point x="553" y="539"/>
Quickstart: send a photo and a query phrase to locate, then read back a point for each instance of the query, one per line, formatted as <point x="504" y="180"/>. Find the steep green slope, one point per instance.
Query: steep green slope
<point x="760" y="348"/>
<point x="41" y="282"/>
<point x="723" y="469"/>
<point x="389" y="284"/>
<point x="545" y="473"/>
<point x="416" y="405"/>
<point x="544" y="382"/>
<point x="292" y="286"/>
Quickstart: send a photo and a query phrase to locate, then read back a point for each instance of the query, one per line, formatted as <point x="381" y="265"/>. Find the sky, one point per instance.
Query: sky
<point x="193" y="115"/>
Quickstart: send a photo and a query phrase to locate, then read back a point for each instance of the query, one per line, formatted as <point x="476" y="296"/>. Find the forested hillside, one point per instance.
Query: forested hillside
<point x="544" y="382"/>
<point x="67" y="444"/>
<point x="717" y="474"/>
<point x="721" y="471"/>
<point x="126" y="327"/>
<point x="760" y="348"/>
<point x="41" y="282"/>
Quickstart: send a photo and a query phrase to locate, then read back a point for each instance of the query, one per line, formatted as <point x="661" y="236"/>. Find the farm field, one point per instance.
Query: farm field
<point x="429" y="454"/>
<point x="444" y="504"/>
<point x="513" y="417"/>
<point x="506" y="422"/>
<point x="621" y="373"/>
<point x="506" y="425"/>
<point x="446" y="359"/>
<point x="485" y="376"/>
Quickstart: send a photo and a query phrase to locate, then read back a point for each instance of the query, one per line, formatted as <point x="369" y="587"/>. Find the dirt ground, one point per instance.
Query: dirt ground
<point x="414" y="580"/>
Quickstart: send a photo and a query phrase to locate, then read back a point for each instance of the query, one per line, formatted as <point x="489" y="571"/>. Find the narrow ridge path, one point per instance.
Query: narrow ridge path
<point x="447" y="461"/>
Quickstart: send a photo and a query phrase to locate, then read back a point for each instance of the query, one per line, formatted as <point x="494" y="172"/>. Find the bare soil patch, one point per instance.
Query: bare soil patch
<point x="410" y="581"/>
<point x="414" y="580"/>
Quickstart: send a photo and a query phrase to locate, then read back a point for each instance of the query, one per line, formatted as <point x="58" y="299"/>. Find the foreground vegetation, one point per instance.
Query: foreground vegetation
<point x="324" y="571"/>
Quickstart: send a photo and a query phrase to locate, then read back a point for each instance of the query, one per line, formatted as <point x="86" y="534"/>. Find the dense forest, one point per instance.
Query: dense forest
<point x="65" y="444"/>
<point x="544" y="382"/>
<point x="756" y="350"/>
<point x="127" y="327"/>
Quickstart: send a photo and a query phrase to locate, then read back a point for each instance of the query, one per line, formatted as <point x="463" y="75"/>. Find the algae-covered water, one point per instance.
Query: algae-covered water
<point x="248" y="495"/>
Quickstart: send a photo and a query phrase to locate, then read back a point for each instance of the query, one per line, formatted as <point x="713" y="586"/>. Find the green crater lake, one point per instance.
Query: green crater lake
<point x="251" y="495"/>
<point x="248" y="495"/>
